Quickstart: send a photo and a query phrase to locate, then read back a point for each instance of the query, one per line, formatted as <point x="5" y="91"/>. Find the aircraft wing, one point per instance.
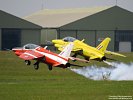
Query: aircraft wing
<point x="57" y="64"/>
<point x="93" y="57"/>
<point x="62" y="46"/>
<point x="77" y="49"/>
<point x="30" y="55"/>
<point x="73" y="50"/>
<point x="82" y="60"/>
<point x="114" y="53"/>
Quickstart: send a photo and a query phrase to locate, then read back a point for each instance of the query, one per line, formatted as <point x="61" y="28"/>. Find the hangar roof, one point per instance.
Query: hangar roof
<point x="50" y="18"/>
<point x="10" y="21"/>
<point x="114" y="18"/>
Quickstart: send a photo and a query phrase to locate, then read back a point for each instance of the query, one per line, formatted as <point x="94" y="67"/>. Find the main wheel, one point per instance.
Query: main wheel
<point x="27" y="62"/>
<point x="68" y="65"/>
<point x="36" y="66"/>
<point x="49" y="67"/>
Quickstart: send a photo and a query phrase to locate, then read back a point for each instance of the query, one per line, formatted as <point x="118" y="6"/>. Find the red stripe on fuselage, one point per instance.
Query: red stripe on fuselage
<point x="49" y="52"/>
<point x="49" y="60"/>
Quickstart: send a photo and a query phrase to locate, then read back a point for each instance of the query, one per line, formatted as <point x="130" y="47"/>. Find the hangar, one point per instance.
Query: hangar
<point x="91" y="24"/>
<point x="16" y="32"/>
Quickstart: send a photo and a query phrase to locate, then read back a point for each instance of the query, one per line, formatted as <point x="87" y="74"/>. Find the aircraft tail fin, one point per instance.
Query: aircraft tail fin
<point x="67" y="50"/>
<point x="103" y="45"/>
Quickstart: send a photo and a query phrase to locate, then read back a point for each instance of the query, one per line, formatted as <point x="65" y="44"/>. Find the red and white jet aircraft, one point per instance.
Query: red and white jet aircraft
<point x="34" y="52"/>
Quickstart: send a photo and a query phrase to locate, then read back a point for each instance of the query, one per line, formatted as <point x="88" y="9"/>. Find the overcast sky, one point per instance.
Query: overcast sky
<point x="23" y="8"/>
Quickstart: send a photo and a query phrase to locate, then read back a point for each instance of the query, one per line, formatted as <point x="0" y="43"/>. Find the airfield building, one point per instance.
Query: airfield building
<point x="91" y="24"/>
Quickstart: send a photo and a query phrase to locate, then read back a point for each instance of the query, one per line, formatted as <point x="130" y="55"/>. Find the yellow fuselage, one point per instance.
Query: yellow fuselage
<point x="87" y="51"/>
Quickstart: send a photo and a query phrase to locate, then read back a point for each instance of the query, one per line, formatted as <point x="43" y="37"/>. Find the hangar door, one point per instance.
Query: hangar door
<point x="11" y="38"/>
<point x="124" y="39"/>
<point x="125" y="46"/>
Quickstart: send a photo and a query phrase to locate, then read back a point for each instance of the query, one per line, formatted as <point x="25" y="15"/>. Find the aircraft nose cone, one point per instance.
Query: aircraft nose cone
<point x="61" y="42"/>
<point x="54" y="41"/>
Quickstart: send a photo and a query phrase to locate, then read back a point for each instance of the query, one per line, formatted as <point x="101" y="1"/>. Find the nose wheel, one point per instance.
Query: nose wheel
<point x="27" y="62"/>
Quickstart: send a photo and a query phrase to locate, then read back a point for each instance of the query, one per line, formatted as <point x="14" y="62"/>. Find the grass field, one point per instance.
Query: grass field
<point x="21" y="82"/>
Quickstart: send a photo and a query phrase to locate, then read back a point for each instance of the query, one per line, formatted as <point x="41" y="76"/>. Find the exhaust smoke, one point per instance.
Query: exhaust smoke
<point x="119" y="71"/>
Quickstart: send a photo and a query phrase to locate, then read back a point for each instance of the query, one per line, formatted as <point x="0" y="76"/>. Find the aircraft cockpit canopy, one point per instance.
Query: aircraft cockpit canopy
<point x="30" y="46"/>
<point x="69" y="39"/>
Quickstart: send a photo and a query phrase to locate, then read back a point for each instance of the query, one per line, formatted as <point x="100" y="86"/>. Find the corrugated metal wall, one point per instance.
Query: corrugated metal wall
<point x="65" y="33"/>
<point x="30" y="36"/>
<point x="89" y="37"/>
<point x="0" y="39"/>
<point x="47" y="35"/>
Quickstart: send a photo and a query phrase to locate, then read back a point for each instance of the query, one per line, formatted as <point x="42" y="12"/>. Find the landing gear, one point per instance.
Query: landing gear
<point x="49" y="67"/>
<point x="86" y="58"/>
<point x="75" y="55"/>
<point x="36" y="65"/>
<point x="27" y="62"/>
<point x="68" y="65"/>
<point x="104" y="58"/>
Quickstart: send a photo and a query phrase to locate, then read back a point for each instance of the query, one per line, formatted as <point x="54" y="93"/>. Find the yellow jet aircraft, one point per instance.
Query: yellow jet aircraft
<point x="89" y="52"/>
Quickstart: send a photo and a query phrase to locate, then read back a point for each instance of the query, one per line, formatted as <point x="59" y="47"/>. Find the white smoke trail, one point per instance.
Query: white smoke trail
<point x="121" y="71"/>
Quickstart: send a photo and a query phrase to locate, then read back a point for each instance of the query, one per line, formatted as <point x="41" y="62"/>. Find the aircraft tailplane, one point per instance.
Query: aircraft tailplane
<point x="67" y="50"/>
<point x="104" y="44"/>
